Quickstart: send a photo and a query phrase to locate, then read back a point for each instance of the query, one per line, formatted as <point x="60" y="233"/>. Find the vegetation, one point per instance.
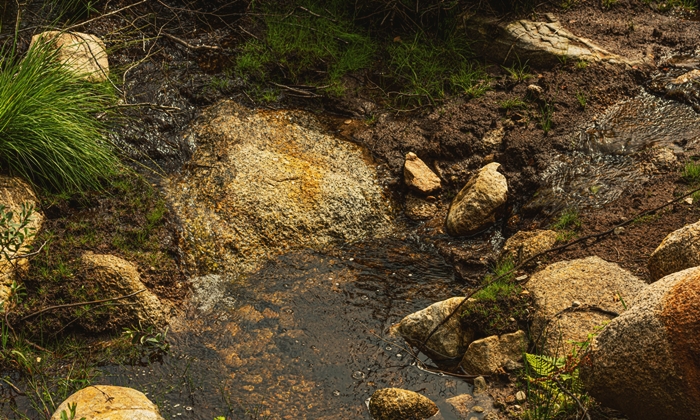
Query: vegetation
<point x="567" y="224"/>
<point x="518" y="71"/>
<point x="512" y="103"/>
<point x="691" y="172"/>
<point x="546" y="112"/>
<point x="581" y="98"/>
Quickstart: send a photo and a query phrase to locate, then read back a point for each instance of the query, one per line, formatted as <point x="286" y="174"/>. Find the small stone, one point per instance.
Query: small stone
<point x="520" y="396"/>
<point x="510" y="399"/>
<point x="689" y="200"/>
<point x="493" y="138"/>
<point x="576" y="304"/>
<point x="534" y="90"/>
<point x="618" y="230"/>
<point x="521" y="278"/>
<point x="347" y="122"/>
<point x="479" y="385"/>
<point x="478" y="409"/>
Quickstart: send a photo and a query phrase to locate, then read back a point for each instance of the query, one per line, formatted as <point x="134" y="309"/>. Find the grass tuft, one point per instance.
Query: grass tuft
<point x="691" y="172"/>
<point x="48" y="132"/>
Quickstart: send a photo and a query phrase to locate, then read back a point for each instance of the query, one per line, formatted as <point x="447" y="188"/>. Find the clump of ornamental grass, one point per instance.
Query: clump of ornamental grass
<point x="49" y="133"/>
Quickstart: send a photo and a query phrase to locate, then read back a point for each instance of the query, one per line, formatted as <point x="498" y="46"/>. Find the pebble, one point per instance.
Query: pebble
<point x="618" y="230"/>
<point x="576" y="304"/>
<point x="689" y="200"/>
<point x="478" y="409"/>
<point x="520" y="396"/>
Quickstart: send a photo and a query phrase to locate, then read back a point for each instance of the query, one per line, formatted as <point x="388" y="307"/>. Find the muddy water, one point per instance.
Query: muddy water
<point x="306" y="336"/>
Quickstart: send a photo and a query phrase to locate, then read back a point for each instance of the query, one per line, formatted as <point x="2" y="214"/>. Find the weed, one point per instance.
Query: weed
<point x="518" y="71"/>
<point x="49" y="135"/>
<point x="471" y="81"/>
<point x="691" y="172"/>
<point x="71" y="414"/>
<point x="501" y="287"/>
<point x="14" y="233"/>
<point x="647" y="218"/>
<point x="568" y="4"/>
<point x="546" y="112"/>
<point x="608" y="4"/>
<point x="581" y="64"/>
<point x="568" y="219"/>
<point x="563" y="59"/>
<point x="581" y="98"/>
<point x="512" y="103"/>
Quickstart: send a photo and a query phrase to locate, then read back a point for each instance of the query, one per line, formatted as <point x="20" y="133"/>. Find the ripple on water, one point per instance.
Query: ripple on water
<point x="306" y="338"/>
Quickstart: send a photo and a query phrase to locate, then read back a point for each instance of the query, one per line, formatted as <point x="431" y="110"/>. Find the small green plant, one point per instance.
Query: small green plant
<point x="581" y="98"/>
<point x="500" y="287"/>
<point x="14" y="233"/>
<point x="512" y="103"/>
<point x="608" y="4"/>
<point x="152" y="341"/>
<point x="471" y="80"/>
<point x="546" y="112"/>
<point x="518" y="71"/>
<point x="567" y="225"/>
<point x="48" y="132"/>
<point x="691" y="172"/>
<point x="72" y="407"/>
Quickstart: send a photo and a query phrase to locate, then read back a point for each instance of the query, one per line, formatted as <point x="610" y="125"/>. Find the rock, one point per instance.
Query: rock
<point x="535" y="91"/>
<point x="400" y="404"/>
<point x="525" y="244"/>
<point x="117" y="277"/>
<point x="489" y="355"/>
<point x="461" y="404"/>
<point x="13" y="193"/>
<point x="450" y="341"/>
<point x="418" y="176"/>
<point x="479" y="385"/>
<point x="520" y="396"/>
<point x="645" y="362"/>
<point x="678" y="251"/>
<point x="475" y="207"/>
<point x="592" y="282"/>
<point x="82" y="53"/>
<point x="419" y="209"/>
<point x="537" y="43"/>
<point x="688" y="77"/>
<point x="104" y="402"/>
<point x="266" y="183"/>
<point x="493" y="138"/>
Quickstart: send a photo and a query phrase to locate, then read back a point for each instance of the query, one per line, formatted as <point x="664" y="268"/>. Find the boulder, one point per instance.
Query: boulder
<point x="475" y="207"/>
<point x="83" y="54"/>
<point x="678" y="251"/>
<point x="449" y="342"/>
<point x="104" y="402"/>
<point x="645" y="362"/>
<point x="117" y="277"/>
<point x="574" y="298"/>
<point x="263" y="183"/>
<point x="14" y="192"/>
<point x="489" y="355"/>
<point x="536" y="43"/>
<point x="419" y="209"/>
<point x="418" y="176"/>
<point x="525" y="244"/>
<point x="400" y="404"/>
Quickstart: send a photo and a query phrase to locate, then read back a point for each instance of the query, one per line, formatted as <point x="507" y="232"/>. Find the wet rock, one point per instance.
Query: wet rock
<point x="117" y="277"/>
<point x="479" y="385"/>
<point x="419" y="209"/>
<point x="400" y="404"/>
<point x="644" y="362"/>
<point x="593" y="283"/>
<point x="489" y="355"/>
<point x="82" y="53"/>
<point x="525" y="244"/>
<point x="450" y="341"/>
<point x="461" y="404"/>
<point x="678" y="251"/>
<point x="475" y="207"/>
<point x="538" y="43"/>
<point x="265" y="183"/>
<point x="13" y="193"/>
<point x="103" y="402"/>
<point x="418" y="175"/>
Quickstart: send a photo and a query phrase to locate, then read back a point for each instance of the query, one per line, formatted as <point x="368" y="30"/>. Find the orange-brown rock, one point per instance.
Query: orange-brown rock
<point x="81" y="53"/>
<point x="104" y="402"/>
<point x="475" y="206"/>
<point x="678" y="251"/>
<point x="419" y="176"/>
<point x="400" y="404"/>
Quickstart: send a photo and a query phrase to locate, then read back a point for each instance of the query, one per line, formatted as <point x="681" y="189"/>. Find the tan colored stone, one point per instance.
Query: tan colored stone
<point x="687" y="77"/>
<point x="645" y="362"/>
<point x="461" y="404"/>
<point x="83" y="54"/>
<point x="104" y="402"/>
<point x="419" y="176"/>
<point x="475" y="207"/>
<point x="678" y="251"/>
<point x="489" y="355"/>
<point x="525" y="244"/>
<point x="590" y="282"/>
<point x="493" y="138"/>
<point x="13" y="193"/>
<point x="448" y="342"/>
<point x="400" y="404"/>
<point x="117" y="277"/>
<point x="419" y="209"/>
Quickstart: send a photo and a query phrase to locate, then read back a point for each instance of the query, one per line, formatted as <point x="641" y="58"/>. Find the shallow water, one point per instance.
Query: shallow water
<point x="304" y="337"/>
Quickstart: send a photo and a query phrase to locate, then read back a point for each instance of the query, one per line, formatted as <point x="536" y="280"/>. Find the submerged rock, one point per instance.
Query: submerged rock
<point x="450" y="341"/>
<point x="419" y="209"/>
<point x="418" y="176"/>
<point x="645" y="362"/>
<point x="117" y="277"/>
<point x="104" y="402"/>
<point x="489" y="355"/>
<point x="83" y="54"/>
<point x="574" y="298"/>
<point x="678" y="251"/>
<point x="263" y="183"/>
<point x="526" y="244"/>
<point x="536" y="43"/>
<point x="400" y="404"/>
<point x="474" y="208"/>
<point x="14" y="192"/>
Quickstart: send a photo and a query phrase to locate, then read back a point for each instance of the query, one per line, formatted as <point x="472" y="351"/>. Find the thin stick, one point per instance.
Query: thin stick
<point x="71" y="305"/>
<point x="557" y="248"/>
<point x="570" y="394"/>
<point x="146" y="104"/>
<point x="188" y="45"/>
<point x="77" y="25"/>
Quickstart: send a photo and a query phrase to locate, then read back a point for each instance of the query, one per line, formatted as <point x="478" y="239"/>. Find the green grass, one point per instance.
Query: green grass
<point x="582" y="100"/>
<point x="512" y="103"/>
<point x="568" y="219"/>
<point x="518" y="71"/>
<point x="691" y="172"/>
<point x="546" y="112"/>
<point x="581" y="64"/>
<point x="501" y="287"/>
<point x="48" y="132"/>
